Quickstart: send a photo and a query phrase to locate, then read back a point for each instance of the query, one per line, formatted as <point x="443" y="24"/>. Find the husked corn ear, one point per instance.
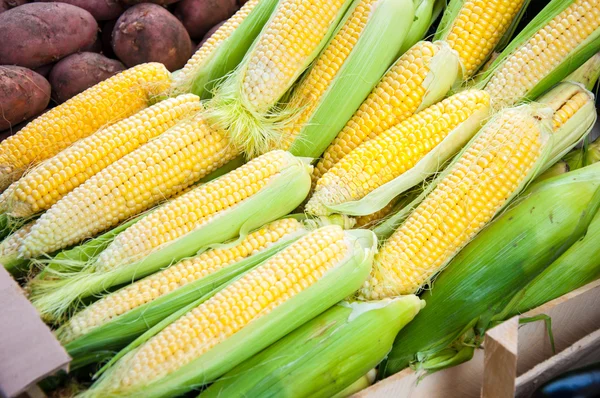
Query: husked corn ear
<point x="165" y="360"/>
<point x="185" y="213"/>
<point x="396" y="150"/>
<point x="245" y="104"/>
<point x="223" y="51"/>
<point x="156" y="171"/>
<point x="321" y="75"/>
<point x="489" y="172"/>
<point x="412" y="84"/>
<point x="107" y="102"/>
<point x="53" y="179"/>
<point x="295" y="31"/>
<point x="541" y="54"/>
<point x="174" y="277"/>
<point x="477" y="28"/>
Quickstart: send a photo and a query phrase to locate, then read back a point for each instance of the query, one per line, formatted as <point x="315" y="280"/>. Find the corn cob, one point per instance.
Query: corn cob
<point x="358" y="334"/>
<point x="53" y="179"/>
<point x="248" y="315"/>
<point x="289" y="42"/>
<point x="113" y="99"/>
<point x="420" y="78"/>
<point x="326" y="98"/>
<point x="211" y="213"/>
<point x="555" y="43"/>
<point x="9" y="250"/>
<point x="371" y="219"/>
<point x="223" y="51"/>
<point x="495" y="166"/>
<point x="172" y="288"/>
<point x="411" y="150"/>
<point x="508" y="254"/>
<point x="154" y="172"/>
<point x="475" y="27"/>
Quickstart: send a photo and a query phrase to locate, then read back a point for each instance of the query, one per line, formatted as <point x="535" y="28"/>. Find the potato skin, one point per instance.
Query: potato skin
<point x="37" y="34"/>
<point x="78" y="72"/>
<point x="159" y="2"/>
<point x="102" y="10"/>
<point x="23" y="94"/>
<point x="209" y="34"/>
<point x="198" y="16"/>
<point x="6" y="5"/>
<point x="149" y="33"/>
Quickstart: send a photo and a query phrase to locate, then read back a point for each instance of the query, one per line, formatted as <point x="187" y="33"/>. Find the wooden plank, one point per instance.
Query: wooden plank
<point x="574" y="316"/>
<point x="28" y="350"/>
<point x="584" y="352"/>
<point x="462" y="381"/>
<point x="500" y="360"/>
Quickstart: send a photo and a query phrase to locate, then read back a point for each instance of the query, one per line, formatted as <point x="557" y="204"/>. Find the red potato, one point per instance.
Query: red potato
<point x="23" y="94"/>
<point x="242" y="2"/>
<point x="37" y="34"/>
<point x="198" y="16"/>
<point x="44" y="70"/>
<point x="159" y="2"/>
<point x="6" y="5"/>
<point x="210" y="33"/>
<point x="149" y="33"/>
<point x="95" y="47"/>
<point x="102" y="10"/>
<point x="78" y="72"/>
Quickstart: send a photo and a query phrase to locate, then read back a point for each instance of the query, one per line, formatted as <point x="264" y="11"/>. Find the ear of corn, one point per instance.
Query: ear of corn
<point x="262" y="190"/>
<point x="107" y="102"/>
<point x="555" y="43"/>
<point x="501" y="260"/>
<point x="369" y="177"/>
<point x="152" y="173"/>
<point x="245" y="104"/>
<point x="360" y="384"/>
<point x="475" y="27"/>
<point x="348" y="340"/>
<point x="327" y="97"/>
<point x="224" y="50"/>
<point x="585" y="156"/>
<point x="418" y="79"/>
<point x="53" y="179"/>
<point x="500" y="160"/>
<point x="118" y="318"/>
<point x="273" y="299"/>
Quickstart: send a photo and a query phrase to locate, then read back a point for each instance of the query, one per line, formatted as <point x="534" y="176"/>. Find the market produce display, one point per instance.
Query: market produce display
<point x="319" y="192"/>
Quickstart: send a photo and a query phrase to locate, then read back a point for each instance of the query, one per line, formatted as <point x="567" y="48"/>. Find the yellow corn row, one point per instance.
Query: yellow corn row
<point x="107" y="102"/>
<point x="53" y="179"/>
<point x="489" y="172"/>
<point x="409" y="86"/>
<point x="154" y="172"/>
<point x="395" y="151"/>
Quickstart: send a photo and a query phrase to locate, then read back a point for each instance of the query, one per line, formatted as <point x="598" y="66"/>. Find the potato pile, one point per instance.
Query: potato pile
<point x="52" y="51"/>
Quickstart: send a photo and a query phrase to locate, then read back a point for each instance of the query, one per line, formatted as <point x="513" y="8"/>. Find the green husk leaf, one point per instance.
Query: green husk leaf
<point x="226" y="56"/>
<point x="581" y="157"/>
<point x="366" y="64"/>
<point x="359" y="385"/>
<point x="574" y="60"/>
<point x="424" y="168"/>
<point x="256" y="131"/>
<point x="53" y="298"/>
<point x="421" y="22"/>
<point x="500" y="261"/>
<point x="336" y="284"/>
<point x="120" y="331"/>
<point x="575" y="268"/>
<point x="587" y="74"/>
<point x="558" y="168"/>
<point x="323" y="356"/>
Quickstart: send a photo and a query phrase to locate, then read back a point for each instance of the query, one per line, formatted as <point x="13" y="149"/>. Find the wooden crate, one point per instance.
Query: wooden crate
<point x="515" y="359"/>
